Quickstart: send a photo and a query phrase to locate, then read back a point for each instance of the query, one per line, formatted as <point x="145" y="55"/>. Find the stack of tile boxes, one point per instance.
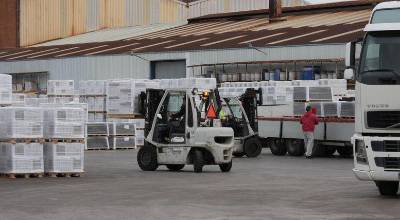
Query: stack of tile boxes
<point x="93" y="92"/>
<point x="61" y="91"/>
<point x="64" y="132"/>
<point x="5" y="90"/>
<point x="21" y="145"/>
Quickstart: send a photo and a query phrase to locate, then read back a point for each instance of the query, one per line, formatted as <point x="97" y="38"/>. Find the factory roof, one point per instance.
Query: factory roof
<point x="316" y="24"/>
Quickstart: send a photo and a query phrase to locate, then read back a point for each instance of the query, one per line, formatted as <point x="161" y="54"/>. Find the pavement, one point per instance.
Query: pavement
<point x="268" y="187"/>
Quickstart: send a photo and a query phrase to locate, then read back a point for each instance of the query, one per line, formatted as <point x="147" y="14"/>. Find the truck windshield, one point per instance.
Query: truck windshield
<point x="379" y="64"/>
<point x="386" y="16"/>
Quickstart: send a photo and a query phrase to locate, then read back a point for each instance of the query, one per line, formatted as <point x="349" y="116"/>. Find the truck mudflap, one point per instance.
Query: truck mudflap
<point x="381" y="164"/>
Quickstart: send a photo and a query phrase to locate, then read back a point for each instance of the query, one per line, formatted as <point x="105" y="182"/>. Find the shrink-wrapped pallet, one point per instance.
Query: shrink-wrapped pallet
<point x="127" y="142"/>
<point x="92" y="87"/>
<point x="98" y="128"/>
<point x="5" y="89"/>
<point x="21" y="122"/>
<point x="60" y="87"/>
<point x="120" y="94"/>
<point x="139" y="138"/>
<point x="330" y="109"/>
<point x="122" y="129"/>
<point x="21" y="158"/>
<point x="64" y="157"/>
<point x="98" y="143"/>
<point x="347" y="109"/>
<point x="64" y="122"/>
<point x="320" y="93"/>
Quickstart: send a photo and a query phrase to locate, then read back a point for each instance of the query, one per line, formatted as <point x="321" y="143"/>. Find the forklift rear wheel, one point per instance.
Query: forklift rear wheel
<point x="147" y="158"/>
<point x="387" y="188"/>
<point x="198" y="161"/>
<point x="252" y="147"/>
<point x="295" y="147"/>
<point x="345" y="151"/>
<point x="226" y="167"/>
<point x="278" y="147"/>
<point x="238" y="154"/>
<point x="175" y="167"/>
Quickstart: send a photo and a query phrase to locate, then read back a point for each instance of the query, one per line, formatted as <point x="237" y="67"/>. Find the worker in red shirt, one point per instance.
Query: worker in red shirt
<point x="308" y="122"/>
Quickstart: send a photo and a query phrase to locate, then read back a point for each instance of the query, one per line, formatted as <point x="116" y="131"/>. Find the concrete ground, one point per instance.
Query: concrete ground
<point x="268" y="187"/>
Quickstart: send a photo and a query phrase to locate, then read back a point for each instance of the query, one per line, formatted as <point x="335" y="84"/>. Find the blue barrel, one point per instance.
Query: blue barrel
<point x="308" y="73"/>
<point x="277" y="75"/>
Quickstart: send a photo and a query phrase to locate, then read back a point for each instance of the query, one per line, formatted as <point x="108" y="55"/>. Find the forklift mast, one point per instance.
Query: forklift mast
<point x="249" y="102"/>
<point x="152" y="99"/>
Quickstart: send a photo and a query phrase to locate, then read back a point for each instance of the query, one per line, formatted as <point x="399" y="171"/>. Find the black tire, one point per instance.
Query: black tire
<point x="198" y="161"/>
<point x="295" y="147"/>
<point x="226" y="167"/>
<point x="318" y="150"/>
<point x="175" y="167"/>
<point x="147" y="158"/>
<point x="329" y="150"/>
<point x="387" y="188"/>
<point x="345" y="151"/>
<point x="278" y="147"/>
<point x="238" y="154"/>
<point x="252" y="147"/>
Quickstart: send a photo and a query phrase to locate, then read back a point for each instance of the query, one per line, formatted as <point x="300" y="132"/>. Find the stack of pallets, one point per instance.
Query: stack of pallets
<point x="21" y="142"/>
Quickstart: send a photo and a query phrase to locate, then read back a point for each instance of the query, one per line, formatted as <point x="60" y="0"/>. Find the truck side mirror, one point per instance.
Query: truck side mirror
<point x="350" y="57"/>
<point x="349" y="74"/>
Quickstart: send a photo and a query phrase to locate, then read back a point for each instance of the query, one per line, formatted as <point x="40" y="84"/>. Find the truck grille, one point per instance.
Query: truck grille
<point x="385" y="146"/>
<point x="388" y="162"/>
<point x="383" y="119"/>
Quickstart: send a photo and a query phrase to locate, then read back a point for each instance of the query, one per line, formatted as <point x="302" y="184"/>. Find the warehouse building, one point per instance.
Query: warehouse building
<point x="211" y="45"/>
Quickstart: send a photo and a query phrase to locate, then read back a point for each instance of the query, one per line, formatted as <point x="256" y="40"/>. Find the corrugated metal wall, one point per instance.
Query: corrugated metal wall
<point x="126" y="66"/>
<point x="43" y="20"/>
<point x="205" y="7"/>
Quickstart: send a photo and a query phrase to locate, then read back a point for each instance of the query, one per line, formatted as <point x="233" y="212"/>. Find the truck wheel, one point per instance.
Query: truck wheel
<point x="387" y="188"/>
<point x="198" y="161"/>
<point x="175" y="167"/>
<point x="329" y="150"/>
<point x="252" y="147"/>
<point x="278" y="147"/>
<point x="295" y="147"/>
<point x="345" y="151"/>
<point x="225" y="167"/>
<point x="318" y="150"/>
<point x="238" y="154"/>
<point x="147" y="158"/>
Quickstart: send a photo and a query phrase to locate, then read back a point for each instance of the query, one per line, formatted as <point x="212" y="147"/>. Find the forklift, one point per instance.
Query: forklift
<point x="176" y="134"/>
<point x="240" y="114"/>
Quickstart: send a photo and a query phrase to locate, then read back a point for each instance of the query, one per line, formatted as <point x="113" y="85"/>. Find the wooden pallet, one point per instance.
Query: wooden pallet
<point x="22" y="175"/>
<point x="125" y="148"/>
<point x="23" y="140"/>
<point x="102" y="112"/>
<point x="62" y="174"/>
<point x="99" y="149"/>
<point x="64" y="140"/>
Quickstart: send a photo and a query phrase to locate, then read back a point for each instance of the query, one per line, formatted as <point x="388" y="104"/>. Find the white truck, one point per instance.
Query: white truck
<point x="376" y="140"/>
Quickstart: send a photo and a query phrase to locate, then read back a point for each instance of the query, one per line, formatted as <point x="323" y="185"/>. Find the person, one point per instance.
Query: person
<point x="308" y="122"/>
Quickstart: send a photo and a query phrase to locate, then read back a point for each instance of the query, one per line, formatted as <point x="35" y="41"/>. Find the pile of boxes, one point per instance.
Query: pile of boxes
<point x="64" y="132"/>
<point x="61" y="91"/>
<point x="21" y="146"/>
<point x="5" y="89"/>
<point x="93" y="92"/>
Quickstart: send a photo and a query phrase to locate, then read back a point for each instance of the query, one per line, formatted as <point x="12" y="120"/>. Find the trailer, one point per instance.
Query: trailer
<point x="284" y="135"/>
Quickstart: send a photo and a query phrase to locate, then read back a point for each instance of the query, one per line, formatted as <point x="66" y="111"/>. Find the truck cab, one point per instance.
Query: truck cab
<point x="376" y="140"/>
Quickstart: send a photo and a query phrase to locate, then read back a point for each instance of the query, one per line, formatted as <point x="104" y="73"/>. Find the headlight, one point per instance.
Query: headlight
<point x="361" y="152"/>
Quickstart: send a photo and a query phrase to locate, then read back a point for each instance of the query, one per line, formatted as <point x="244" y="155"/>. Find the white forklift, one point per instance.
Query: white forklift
<point x="240" y="114"/>
<point x="177" y="135"/>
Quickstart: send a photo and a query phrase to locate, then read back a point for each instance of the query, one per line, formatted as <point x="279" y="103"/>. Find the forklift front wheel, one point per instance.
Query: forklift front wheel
<point x="226" y="167"/>
<point x="252" y="147"/>
<point x="147" y="158"/>
<point x="198" y="161"/>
